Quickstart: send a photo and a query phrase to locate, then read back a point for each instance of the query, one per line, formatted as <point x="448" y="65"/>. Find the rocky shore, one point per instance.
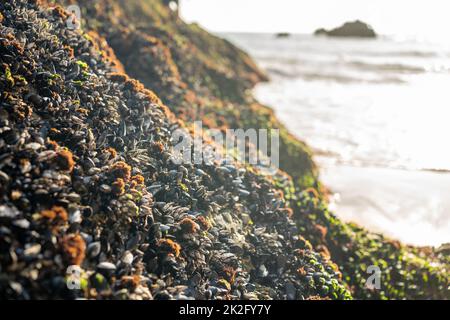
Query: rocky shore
<point x="88" y="175"/>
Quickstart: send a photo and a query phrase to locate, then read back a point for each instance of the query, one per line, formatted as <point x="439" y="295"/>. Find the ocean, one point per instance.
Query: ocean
<point x="377" y="115"/>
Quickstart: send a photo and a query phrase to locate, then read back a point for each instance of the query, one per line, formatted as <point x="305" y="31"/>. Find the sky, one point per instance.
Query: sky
<point x="427" y="18"/>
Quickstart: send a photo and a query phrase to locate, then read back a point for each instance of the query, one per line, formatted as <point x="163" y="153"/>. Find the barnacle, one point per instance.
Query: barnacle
<point x="112" y="152"/>
<point x="74" y="248"/>
<point x="121" y="170"/>
<point x="137" y="180"/>
<point x="169" y="246"/>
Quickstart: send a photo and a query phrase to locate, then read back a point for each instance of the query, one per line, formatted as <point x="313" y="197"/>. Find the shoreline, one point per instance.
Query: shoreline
<point x="410" y="206"/>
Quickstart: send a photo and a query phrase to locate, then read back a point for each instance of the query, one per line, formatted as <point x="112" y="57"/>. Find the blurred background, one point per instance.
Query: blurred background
<point x="375" y="111"/>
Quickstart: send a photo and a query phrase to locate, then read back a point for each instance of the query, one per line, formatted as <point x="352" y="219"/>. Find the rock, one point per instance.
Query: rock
<point x="444" y="249"/>
<point x="88" y="179"/>
<point x="282" y="35"/>
<point x="356" y="28"/>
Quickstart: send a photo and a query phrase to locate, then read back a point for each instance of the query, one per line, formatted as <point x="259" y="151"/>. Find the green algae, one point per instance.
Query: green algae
<point x="8" y="76"/>
<point x="83" y="65"/>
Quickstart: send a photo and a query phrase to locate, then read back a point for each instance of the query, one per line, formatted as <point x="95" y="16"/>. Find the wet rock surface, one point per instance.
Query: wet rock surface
<point x="88" y="179"/>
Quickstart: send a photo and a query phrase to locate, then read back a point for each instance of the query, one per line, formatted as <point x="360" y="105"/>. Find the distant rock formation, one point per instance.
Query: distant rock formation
<point x="283" y="35"/>
<point x="349" y="29"/>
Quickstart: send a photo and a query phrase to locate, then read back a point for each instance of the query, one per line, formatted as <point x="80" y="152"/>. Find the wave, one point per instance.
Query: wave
<point x="389" y="67"/>
<point x="405" y="54"/>
<point x="331" y="77"/>
<point x="282" y="73"/>
<point x="347" y="79"/>
<point x="326" y="158"/>
<point x="314" y="71"/>
<point x="436" y="170"/>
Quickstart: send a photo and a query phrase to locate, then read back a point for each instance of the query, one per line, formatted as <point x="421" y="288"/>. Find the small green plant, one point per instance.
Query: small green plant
<point x="83" y="65"/>
<point x="8" y="76"/>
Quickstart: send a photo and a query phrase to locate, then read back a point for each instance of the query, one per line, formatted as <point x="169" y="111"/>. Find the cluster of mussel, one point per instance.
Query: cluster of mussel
<point x="89" y="183"/>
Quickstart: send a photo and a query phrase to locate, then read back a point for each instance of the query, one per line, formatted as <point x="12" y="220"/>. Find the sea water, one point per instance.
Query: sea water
<point x="377" y="114"/>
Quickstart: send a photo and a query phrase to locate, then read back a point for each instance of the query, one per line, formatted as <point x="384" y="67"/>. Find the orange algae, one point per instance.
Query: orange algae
<point x="188" y="226"/>
<point x="121" y="170"/>
<point x="118" y="187"/>
<point x="169" y="246"/>
<point x="65" y="160"/>
<point x="74" y="248"/>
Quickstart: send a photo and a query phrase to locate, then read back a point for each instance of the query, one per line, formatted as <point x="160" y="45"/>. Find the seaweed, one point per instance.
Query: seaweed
<point x="56" y="217"/>
<point x="121" y="170"/>
<point x="118" y="187"/>
<point x="74" y="248"/>
<point x="169" y="246"/>
<point x="188" y="226"/>
<point x="65" y="160"/>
